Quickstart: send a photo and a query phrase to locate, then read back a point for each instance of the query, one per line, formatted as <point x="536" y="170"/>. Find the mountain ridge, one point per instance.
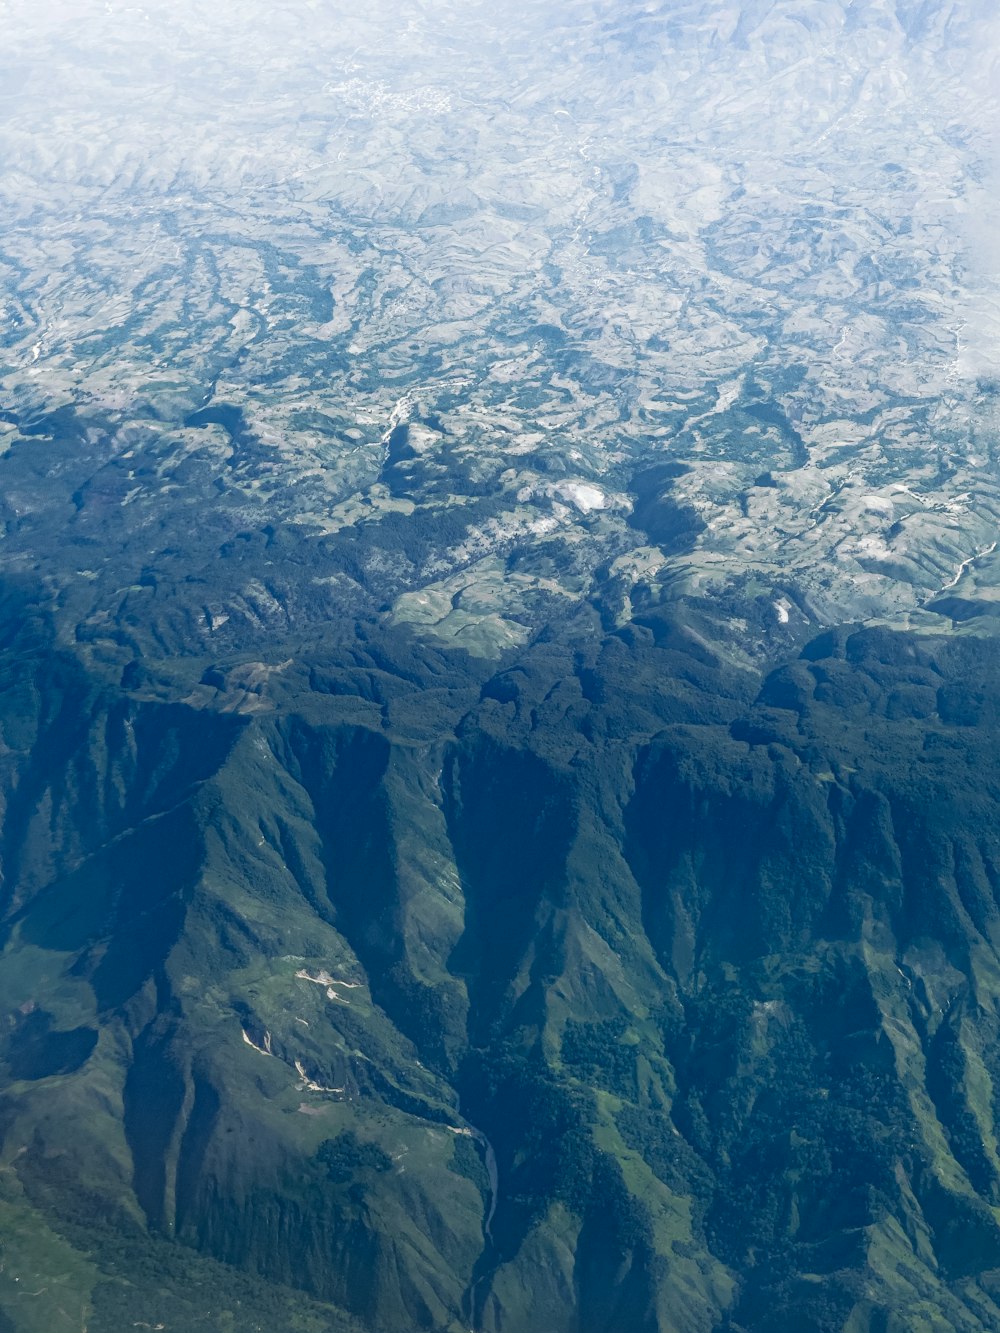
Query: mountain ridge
<point x="627" y="1009"/>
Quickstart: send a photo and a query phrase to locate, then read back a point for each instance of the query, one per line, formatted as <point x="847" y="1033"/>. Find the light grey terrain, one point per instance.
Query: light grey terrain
<point x="563" y="245"/>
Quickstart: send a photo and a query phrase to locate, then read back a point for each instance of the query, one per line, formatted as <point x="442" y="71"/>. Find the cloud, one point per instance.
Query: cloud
<point x="979" y="335"/>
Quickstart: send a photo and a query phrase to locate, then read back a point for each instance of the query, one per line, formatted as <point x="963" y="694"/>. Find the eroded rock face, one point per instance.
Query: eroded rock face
<point x="647" y="996"/>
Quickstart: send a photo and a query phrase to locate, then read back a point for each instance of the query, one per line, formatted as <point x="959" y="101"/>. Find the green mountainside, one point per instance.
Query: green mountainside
<point x="612" y="988"/>
<point x="499" y="701"/>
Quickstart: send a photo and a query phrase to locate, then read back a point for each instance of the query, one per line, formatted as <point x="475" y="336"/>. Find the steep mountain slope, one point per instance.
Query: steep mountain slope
<point x="631" y="992"/>
<point x="452" y="875"/>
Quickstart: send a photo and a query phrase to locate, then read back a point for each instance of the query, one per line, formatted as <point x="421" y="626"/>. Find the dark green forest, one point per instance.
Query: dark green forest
<point x="612" y="987"/>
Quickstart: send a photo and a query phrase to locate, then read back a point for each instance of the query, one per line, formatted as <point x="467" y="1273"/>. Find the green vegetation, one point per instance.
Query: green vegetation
<point x="642" y="994"/>
<point x="445" y="882"/>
